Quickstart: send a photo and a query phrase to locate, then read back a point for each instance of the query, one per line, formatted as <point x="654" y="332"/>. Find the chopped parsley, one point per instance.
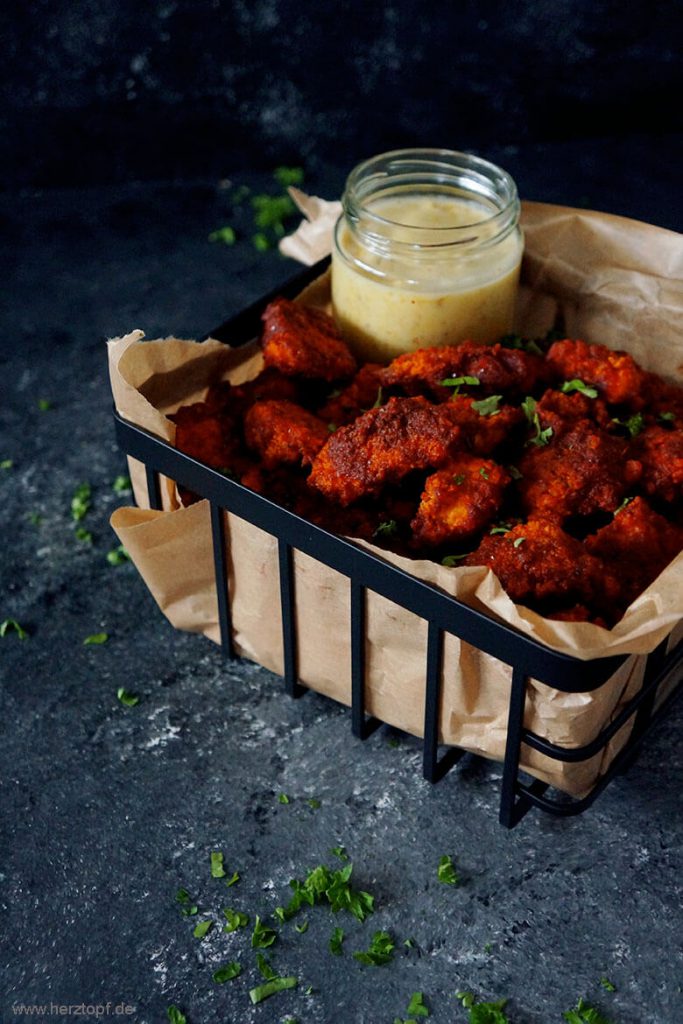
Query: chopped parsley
<point x="483" y="1013"/>
<point x="315" y="804"/>
<point x="446" y="872"/>
<point x="457" y="382"/>
<point x="80" y="502"/>
<point x="235" y="918"/>
<point x="335" y="943"/>
<point x="378" y="401"/>
<point x="287" y="176"/>
<point x="44" y="404"/>
<point x="331" y="427"/>
<point x="260" y="242"/>
<point x="578" y="385"/>
<point x="128" y="699"/>
<point x="379" y="952"/>
<point x="202" y="929"/>
<point x="488" y="406"/>
<point x="541" y="437"/>
<point x="339" y="851"/>
<point x="264" y="967"/>
<point x="217" y="869"/>
<point x="262" y="936"/>
<point x="459" y="479"/>
<point x="12" y="626"/>
<point x="83" y="535"/>
<point x="175" y="1016"/>
<point x="634" y="424"/>
<point x="524" y="344"/>
<point x="227" y="972"/>
<point x="608" y="985"/>
<point x="270" y="988"/>
<point x="483" y="471"/>
<point x="517" y="543"/>
<point x="189" y="908"/>
<point x="95" y="639"/>
<point x="301" y="928"/>
<point x="452" y="560"/>
<point x="226" y="235"/>
<point x="122" y="485"/>
<point x="283" y="798"/>
<point x="667" y="417"/>
<point x="417" y="1006"/>
<point x="6" y="464"/>
<point x="234" y="877"/>
<point x="322" y="884"/>
<point x="625" y="502"/>
<point x="583" y="1013"/>
<point x="35" y="518"/>
<point x="501" y="528"/>
<point x="388" y="528"/>
<point x="118" y="556"/>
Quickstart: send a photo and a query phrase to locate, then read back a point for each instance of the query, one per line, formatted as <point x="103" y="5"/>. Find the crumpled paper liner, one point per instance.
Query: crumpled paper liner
<point x="614" y="281"/>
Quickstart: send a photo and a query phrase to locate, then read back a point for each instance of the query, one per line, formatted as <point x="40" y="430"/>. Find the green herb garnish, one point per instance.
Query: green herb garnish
<point x="118" y="556"/>
<point x="288" y="176"/>
<point x="80" y="502"/>
<point x="315" y="804"/>
<point x="379" y="952"/>
<point x="488" y="406"/>
<point x="459" y="479"/>
<point x="11" y="625"/>
<point x="128" y="699"/>
<point x="331" y="427"/>
<point x="378" y="401"/>
<point x="122" y="485"/>
<point x="270" y="988"/>
<point x="226" y="235"/>
<point x="417" y="1006"/>
<point x="525" y="344"/>
<point x="578" y="385"/>
<point x="283" y="798"/>
<point x="388" y="528"/>
<point x="541" y="437"/>
<point x="227" y="972"/>
<point x="625" y="502"/>
<point x="260" y="242"/>
<point x="83" y="535"/>
<point x="95" y="639"/>
<point x="335" y="943"/>
<point x="6" y="464"/>
<point x="501" y="528"/>
<point x="608" y="985"/>
<point x="667" y="417"/>
<point x="264" y="967"/>
<point x="189" y="908"/>
<point x="583" y="1013"/>
<point x="175" y="1016"/>
<point x="262" y="936"/>
<point x="457" y="382"/>
<point x="446" y="872"/>
<point x="339" y="851"/>
<point x="44" y="404"/>
<point x="483" y="1013"/>
<point x="483" y="471"/>
<point x="634" y="424"/>
<point x="322" y="884"/>
<point x="217" y="869"/>
<point x="234" y="877"/>
<point x="517" y="543"/>
<point x="35" y="518"/>
<point x="235" y="918"/>
<point x="202" y="929"/>
<point x="301" y="928"/>
<point x="452" y="560"/>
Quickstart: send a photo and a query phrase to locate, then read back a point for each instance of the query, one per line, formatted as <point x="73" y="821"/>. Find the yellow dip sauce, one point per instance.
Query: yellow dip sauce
<point x="424" y="269"/>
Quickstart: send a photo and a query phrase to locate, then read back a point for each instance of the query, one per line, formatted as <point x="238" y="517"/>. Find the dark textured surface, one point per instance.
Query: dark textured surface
<point x="107" y="90"/>
<point x="108" y="810"/>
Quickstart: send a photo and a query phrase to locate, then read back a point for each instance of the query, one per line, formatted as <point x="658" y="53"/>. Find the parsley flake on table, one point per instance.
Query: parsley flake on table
<point x="335" y="942"/>
<point x="226" y="235"/>
<point x="227" y="972"/>
<point x="6" y="463"/>
<point x="83" y="535"/>
<point x="122" y="484"/>
<point x="189" y="908"/>
<point x="483" y="1013"/>
<point x="235" y="918"/>
<point x="202" y="928"/>
<point x="283" y="798"/>
<point x="118" y="556"/>
<point x="270" y="988"/>
<point x="417" y="1006"/>
<point x="608" y="985"/>
<point x="584" y="1013"/>
<point x="578" y="385"/>
<point x="217" y="869"/>
<point x="446" y="872"/>
<point x="80" y="502"/>
<point x="234" y="877"/>
<point x="262" y="936"/>
<point x="334" y="886"/>
<point x="175" y="1016"/>
<point x="128" y="699"/>
<point x="339" y="851"/>
<point x="488" y="406"/>
<point x="379" y="952"/>
<point x="12" y="626"/>
<point x="44" y="404"/>
<point x="301" y="928"/>
<point x="313" y="803"/>
<point x="288" y="176"/>
<point x="96" y="639"/>
<point x="264" y="967"/>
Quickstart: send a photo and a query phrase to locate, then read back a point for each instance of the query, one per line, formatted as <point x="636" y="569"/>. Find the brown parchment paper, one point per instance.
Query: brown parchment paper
<point x="613" y="281"/>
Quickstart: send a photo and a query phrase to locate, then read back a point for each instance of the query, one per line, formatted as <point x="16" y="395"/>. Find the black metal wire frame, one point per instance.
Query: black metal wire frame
<point x="443" y="613"/>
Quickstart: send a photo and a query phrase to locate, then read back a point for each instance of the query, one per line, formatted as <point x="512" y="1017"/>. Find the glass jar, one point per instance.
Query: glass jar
<point x="426" y="252"/>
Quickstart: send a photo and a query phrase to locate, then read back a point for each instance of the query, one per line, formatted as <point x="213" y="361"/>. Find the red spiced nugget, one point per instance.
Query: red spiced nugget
<point x="584" y="471"/>
<point x="661" y="453"/>
<point x="459" y="500"/>
<point x="485" y="423"/>
<point x="357" y="397"/>
<point x="305" y="342"/>
<point x="282" y="432"/>
<point x="207" y="435"/>
<point x="616" y="375"/>
<point x="561" y="411"/>
<point x="538" y="562"/>
<point x="639" y="543"/>
<point x="382" y="446"/>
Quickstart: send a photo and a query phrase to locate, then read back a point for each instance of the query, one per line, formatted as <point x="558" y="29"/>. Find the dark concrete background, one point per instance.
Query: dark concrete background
<point x="110" y="90"/>
<point x="107" y="810"/>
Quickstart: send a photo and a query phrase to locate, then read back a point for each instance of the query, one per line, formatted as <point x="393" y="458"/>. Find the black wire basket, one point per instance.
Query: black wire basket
<point x="444" y="614"/>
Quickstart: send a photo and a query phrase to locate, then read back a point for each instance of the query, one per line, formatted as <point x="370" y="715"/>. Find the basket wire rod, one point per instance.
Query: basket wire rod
<point x="511" y="808"/>
<point x="434" y="769"/>
<point x="361" y="725"/>
<point x="220" y="566"/>
<point x="153" y="488"/>
<point x="290" y="673"/>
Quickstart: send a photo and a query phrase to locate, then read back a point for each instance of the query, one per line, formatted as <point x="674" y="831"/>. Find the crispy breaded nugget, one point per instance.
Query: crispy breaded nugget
<point x="382" y="446"/>
<point x="359" y="396"/>
<point x="206" y="434"/>
<point x="499" y="370"/>
<point x="584" y="471"/>
<point x="305" y="342"/>
<point x="664" y="399"/>
<point x="483" y="430"/>
<point x="616" y="375"/>
<point x="661" y="453"/>
<point x="459" y="500"/>
<point x="562" y="411"/>
<point x="538" y="561"/>
<point x="281" y="431"/>
<point x="639" y="543"/>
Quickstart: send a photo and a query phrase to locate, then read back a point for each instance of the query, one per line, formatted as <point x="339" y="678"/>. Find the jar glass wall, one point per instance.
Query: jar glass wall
<point x="427" y="252"/>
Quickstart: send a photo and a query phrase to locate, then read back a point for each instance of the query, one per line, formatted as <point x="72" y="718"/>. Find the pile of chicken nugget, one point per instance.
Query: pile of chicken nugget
<point x="559" y="464"/>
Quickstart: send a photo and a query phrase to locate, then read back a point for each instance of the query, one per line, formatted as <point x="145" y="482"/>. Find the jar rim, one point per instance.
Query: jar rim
<point x="437" y="170"/>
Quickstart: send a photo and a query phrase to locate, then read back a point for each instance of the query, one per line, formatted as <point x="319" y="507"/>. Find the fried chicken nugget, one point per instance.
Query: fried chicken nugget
<point x="207" y="435"/>
<point x="561" y="411"/>
<point x="661" y="453"/>
<point x="584" y="471"/>
<point x="459" y="500"/>
<point x="282" y="432"/>
<point x="484" y="431"/>
<point x="537" y="561"/>
<point x="359" y="396"/>
<point x="305" y="342"/>
<point x="616" y="375"/>
<point x="498" y="369"/>
<point x="382" y="446"/>
<point x="640" y="543"/>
